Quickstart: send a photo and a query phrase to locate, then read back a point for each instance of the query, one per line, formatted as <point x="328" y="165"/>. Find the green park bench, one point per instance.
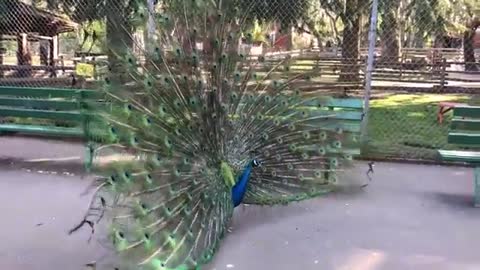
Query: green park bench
<point x="36" y="110"/>
<point x="65" y="105"/>
<point x="348" y="118"/>
<point x="465" y="132"/>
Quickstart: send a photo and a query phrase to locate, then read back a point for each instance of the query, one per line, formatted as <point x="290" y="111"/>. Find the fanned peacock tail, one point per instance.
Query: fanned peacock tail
<point x="198" y="115"/>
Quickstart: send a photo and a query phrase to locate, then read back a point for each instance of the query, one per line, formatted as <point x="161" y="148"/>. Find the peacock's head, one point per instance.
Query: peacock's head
<point x="256" y="163"/>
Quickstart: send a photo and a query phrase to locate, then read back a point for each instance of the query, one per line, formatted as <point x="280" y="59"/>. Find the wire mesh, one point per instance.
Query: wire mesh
<point x="422" y="69"/>
<point x="426" y="54"/>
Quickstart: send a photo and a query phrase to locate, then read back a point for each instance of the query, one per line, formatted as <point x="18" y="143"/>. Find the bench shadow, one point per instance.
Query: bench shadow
<point x="451" y="200"/>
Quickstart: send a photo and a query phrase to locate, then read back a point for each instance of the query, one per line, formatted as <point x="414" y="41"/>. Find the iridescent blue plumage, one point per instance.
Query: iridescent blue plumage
<point x="240" y="188"/>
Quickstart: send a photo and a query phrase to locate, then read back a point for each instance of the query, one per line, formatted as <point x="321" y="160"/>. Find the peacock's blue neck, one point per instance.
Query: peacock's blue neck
<point x="240" y="188"/>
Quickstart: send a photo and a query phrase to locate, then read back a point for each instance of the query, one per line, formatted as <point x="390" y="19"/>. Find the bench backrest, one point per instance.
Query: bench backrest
<point x="465" y="127"/>
<point x="44" y="103"/>
<point x="66" y="105"/>
<point x="347" y="116"/>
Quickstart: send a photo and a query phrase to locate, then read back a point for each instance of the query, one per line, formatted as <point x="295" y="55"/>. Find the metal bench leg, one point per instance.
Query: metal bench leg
<point x="476" y="175"/>
<point x="89" y="158"/>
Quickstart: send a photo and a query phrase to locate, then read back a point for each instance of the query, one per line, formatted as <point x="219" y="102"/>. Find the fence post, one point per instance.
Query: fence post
<point x="2" y="55"/>
<point x="372" y="35"/>
<point x="403" y="60"/>
<point x="83" y="107"/>
<point x="443" y="74"/>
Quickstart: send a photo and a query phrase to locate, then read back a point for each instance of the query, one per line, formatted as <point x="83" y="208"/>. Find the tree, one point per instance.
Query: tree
<point x="351" y="41"/>
<point x="472" y="10"/>
<point x="286" y="12"/>
<point x="350" y="12"/>
<point x="335" y="10"/>
<point x="447" y="17"/>
<point x="119" y="35"/>
<point x="115" y="13"/>
<point x="423" y="16"/>
<point x="390" y="30"/>
<point x="468" y="48"/>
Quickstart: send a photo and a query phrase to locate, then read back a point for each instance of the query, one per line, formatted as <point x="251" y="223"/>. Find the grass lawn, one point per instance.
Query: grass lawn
<point x="405" y="125"/>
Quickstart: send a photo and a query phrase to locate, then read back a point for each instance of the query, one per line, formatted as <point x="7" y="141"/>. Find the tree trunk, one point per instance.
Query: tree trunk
<point x="52" y="54"/>
<point x="311" y="27"/>
<point x="24" y="57"/>
<point x="419" y="41"/>
<point x="390" y="33"/>
<point x="351" y="42"/>
<point x="119" y="38"/>
<point x="468" y="46"/>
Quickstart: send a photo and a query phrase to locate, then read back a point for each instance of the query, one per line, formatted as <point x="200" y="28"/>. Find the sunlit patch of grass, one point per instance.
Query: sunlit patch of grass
<point x="417" y="99"/>
<point x="406" y="125"/>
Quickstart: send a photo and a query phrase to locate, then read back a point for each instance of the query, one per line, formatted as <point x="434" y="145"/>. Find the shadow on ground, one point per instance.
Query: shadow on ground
<point x="454" y="201"/>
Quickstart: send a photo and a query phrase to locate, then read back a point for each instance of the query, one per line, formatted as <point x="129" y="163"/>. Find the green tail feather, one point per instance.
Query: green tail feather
<point x="193" y="112"/>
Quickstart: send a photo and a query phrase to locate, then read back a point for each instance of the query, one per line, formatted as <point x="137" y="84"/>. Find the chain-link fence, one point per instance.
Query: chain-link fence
<point x="425" y="54"/>
<point x="425" y="63"/>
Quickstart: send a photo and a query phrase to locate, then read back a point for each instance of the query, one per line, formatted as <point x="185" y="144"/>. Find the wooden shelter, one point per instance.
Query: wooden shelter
<point x="26" y="23"/>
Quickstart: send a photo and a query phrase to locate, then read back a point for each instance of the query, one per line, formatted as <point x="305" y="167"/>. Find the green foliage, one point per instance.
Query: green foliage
<point x="440" y="17"/>
<point x="85" y="70"/>
<point x="285" y="11"/>
<point x="97" y="45"/>
<point x="259" y="33"/>
<point x="326" y="17"/>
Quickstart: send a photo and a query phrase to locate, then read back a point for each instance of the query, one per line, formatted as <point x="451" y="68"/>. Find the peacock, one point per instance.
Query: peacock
<point x="203" y="126"/>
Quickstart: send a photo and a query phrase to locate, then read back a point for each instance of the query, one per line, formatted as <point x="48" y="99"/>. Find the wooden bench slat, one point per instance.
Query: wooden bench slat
<point x="334" y="103"/>
<point x="47" y="92"/>
<point x="44" y="114"/>
<point x="345" y="150"/>
<point x="37" y="92"/>
<point x="464" y="139"/>
<point x="339" y="103"/>
<point x="342" y="115"/>
<point x="467" y="111"/>
<point x="465" y="124"/>
<point x="347" y="126"/>
<point x="355" y="114"/>
<point x="39" y="130"/>
<point x="339" y="115"/>
<point x="465" y="156"/>
<point x="349" y="151"/>
<point x="64" y="105"/>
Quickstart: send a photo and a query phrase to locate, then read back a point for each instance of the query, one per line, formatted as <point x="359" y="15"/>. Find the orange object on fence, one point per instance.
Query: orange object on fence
<point x="444" y="107"/>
